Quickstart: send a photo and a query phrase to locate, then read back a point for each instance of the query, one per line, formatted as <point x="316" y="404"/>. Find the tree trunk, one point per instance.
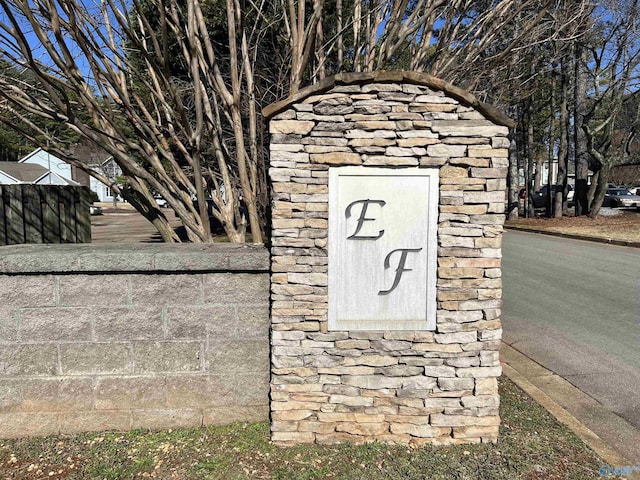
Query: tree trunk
<point x="581" y="150"/>
<point x="537" y="175"/>
<point x="340" y="39"/>
<point x="530" y="163"/>
<point x="513" y="179"/>
<point x="159" y="221"/>
<point x="563" y="149"/>
<point x="599" y="191"/>
<point x="552" y="118"/>
<point x="320" y="56"/>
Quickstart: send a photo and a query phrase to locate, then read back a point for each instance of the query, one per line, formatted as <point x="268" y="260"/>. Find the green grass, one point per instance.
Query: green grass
<point x="532" y="445"/>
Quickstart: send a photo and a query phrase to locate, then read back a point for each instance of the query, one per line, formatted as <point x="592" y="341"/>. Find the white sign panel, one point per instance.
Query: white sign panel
<point x="382" y="248"/>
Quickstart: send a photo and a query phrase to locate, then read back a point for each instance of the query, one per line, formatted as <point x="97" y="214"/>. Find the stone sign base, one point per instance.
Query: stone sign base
<point x="429" y="385"/>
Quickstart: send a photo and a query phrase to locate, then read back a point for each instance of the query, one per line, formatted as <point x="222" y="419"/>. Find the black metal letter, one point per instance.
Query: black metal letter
<point x="400" y="269"/>
<point x="363" y="218"/>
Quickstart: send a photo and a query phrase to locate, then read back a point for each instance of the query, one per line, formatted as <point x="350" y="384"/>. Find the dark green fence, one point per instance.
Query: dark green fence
<point x="44" y="214"/>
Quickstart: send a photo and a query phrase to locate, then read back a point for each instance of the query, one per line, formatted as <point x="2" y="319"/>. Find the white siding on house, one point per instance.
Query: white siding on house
<point x="51" y="179"/>
<point x="7" y="180"/>
<point x="105" y="194"/>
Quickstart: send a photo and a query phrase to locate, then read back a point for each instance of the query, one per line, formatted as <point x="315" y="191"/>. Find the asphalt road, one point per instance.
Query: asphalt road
<point x="574" y="307"/>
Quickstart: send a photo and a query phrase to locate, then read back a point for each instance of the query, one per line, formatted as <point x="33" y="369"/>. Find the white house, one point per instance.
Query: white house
<point x="43" y="168"/>
<point x="110" y="169"/>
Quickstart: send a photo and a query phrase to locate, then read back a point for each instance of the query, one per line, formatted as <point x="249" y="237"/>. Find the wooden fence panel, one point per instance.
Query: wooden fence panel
<point x="15" y="216"/>
<point x="44" y="214"/>
<point x="50" y="217"/>
<point x="67" y="223"/>
<point x="83" y="216"/>
<point x="32" y="210"/>
<point x="3" y="223"/>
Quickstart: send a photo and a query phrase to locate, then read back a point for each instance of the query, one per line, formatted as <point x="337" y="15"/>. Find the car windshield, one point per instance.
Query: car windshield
<point x="619" y="191"/>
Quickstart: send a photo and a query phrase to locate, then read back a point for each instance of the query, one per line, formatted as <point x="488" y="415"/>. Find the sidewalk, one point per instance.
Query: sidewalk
<point x="611" y="437"/>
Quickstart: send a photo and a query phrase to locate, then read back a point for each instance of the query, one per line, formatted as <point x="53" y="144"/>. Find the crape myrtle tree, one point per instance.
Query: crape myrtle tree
<point x="173" y="89"/>
<point x="179" y="136"/>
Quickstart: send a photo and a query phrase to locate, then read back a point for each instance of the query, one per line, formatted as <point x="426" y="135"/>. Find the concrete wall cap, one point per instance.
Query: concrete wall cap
<point x="115" y="258"/>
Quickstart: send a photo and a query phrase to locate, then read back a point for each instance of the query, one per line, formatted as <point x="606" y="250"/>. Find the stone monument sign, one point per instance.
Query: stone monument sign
<point x="388" y="202"/>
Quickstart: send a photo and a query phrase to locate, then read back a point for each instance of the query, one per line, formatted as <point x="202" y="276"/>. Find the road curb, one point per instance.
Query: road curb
<point x="608" y="241"/>
<point x="592" y="440"/>
<point x="604" y="432"/>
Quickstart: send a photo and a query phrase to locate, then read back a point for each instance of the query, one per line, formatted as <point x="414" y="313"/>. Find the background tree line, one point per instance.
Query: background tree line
<point x="173" y="89"/>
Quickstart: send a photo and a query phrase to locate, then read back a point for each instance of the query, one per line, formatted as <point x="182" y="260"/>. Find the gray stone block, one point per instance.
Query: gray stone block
<point x="8" y="324"/>
<point x="124" y="323"/>
<point x="238" y="356"/>
<point x="95" y="358"/>
<point x="10" y="395"/>
<point x="31" y="360"/>
<point x="117" y="260"/>
<point x="233" y="413"/>
<point x="56" y="394"/>
<point x="105" y="258"/>
<point x="55" y="324"/>
<point x="195" y="391"/>
<point x="180" y="261"/>
<point x="253" y="323"/>
<point x="165" y="419"/>
<point x="257" y="394"/>
<point x="156" y="357"/>
<point x="213" y="257"/>
<point x="38" y="258"/>
<point x="95" y="421"/>
<point x="166" y="289"/>
<point x="20" y="424"/>
<point x="242" y="288"/>
<point x="27" y="291"/>
<point x="101" y="290"/>
<point x="194" y="322"/>
<point x="123" y="393"/>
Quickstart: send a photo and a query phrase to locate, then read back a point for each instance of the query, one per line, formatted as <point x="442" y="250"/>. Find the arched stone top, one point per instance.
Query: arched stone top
<point x="401" y="76"/>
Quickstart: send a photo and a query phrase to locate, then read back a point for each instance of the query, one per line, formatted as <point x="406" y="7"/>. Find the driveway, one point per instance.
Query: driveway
<point x="125" y="225"/>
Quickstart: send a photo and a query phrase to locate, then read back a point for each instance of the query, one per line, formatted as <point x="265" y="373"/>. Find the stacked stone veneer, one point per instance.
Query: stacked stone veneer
<point x="132" y="336"/>
<point x="409" y="387"/>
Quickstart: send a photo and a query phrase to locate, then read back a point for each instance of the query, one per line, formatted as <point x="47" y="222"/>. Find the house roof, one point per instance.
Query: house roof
<point x="23" y="172"/>
<point x="30" y="173"/>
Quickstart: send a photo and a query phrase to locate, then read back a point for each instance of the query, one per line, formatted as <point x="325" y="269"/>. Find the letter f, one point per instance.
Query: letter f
<point x="400" y="269"/>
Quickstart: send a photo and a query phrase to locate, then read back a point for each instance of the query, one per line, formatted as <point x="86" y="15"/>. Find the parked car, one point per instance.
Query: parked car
<point x="161" y="202"/>
<point x="620" y="197"/>
<point x="95" y="210"/>
<point x="540" y="197"/>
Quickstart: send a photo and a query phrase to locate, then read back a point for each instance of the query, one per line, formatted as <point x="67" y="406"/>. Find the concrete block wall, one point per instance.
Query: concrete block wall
<point x="122" y="336"/>
<point x="407" y="387"/>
